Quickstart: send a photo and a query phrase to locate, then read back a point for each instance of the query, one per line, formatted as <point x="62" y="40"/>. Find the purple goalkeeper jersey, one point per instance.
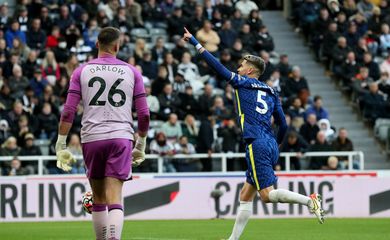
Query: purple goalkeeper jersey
<point x="107" y="87"/>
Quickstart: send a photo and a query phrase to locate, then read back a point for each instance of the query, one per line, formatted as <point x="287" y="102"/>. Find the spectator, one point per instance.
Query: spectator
<point x="342" y="142"/>
<point x="169" y="102"/>
<point x="29" y="148"/>
<point x="330" y="40"/>
<point x="172" y="129"/>
<point x="284" y="66"/>
<point x="373" y="104"/>
<point x="10" y="147"/>
<point x="365" y="7"/>
<point x="153" y="15"/>
<point x="161" y="146"/>
<point x="188" y="8"/>
<point x="385" y="65"/>
<point x="90" y="34"/>
<point x="16" y="168"/>
<point x="47" y="122"/>
<point x="361" y="49"/>
<point x="219" y="111"/>
<point x="308" y="15"/>
<point x="121" y="21"/>
<point x="385" y="39"/>
<point x="237" y="20"/>
<point x="321" y="145"/>
<point x="149" y="66"/>
<point x="46" y="21"/>
<point x="227" y="35"/>
<point x="339" y="55"/>
<point x="361" y="81"/>
<point x="4" y="16"/>
<point x="153" y="103"/>
<point x="276" y="83"/>
<point x="36" y="37"/>
<point x="14" y="32"/>
<point x="186" y="165"/>
<point x="20" y="49"/>
<point x="318" y="109"/>
<point x="373" y="67"/>
<point x="246" y="6"/>
<point x="361" y="23"/>
<point x="310" y="129"/>
<point x="254" y="21"/>
<point x="205" y="142"/>
<point x="246" y="38"/>
<point x="269" y="67"/>
<point x="352" y="35"/>
<point x="216" y="20"/>
<point x="53" y="38"/>
<point x="237" y="52"/>
<point x="81" y="50"/>
<point x="177" y="22"/>
<point x="263" y="40"/>
<point x="206" y="100"/>
<point x="38" y="83"/>
<point x="332" y="164"/>
<point x="325" y="127"/>
<point x="159" y="51"/>
<point x="190" y="129"/>
<point x="30" y="64"/>
<point x="74" y="146"/>
<point x="139" y="49"/>
<point x="50" y="68"/>
<point x="296" y="85"/>
<point x="17" y="82"/>
<point x="180" y="84"/>
<point x="61" y="52"/>
<point x="71" y="64"/>
<point x="170" y="65"/>
<point x="296" y="111"/>
<point x="208" y="9"/>
<point x="162" y="80"/>
<point x="350" y="8"/>
<point x="179" y="48"/>
<point x="6" y="100"/>
<point x="320" y="26"/>
<point x="292" y="143"/>
<point x="208" y="38"/>
<point x="65" y="19"/>
<point x="230" y="134"/>
<point x="189" y="69"/>
<point x="350" y="69"/>
<point x="384" y="83"/>
<point x="134" y="11"/>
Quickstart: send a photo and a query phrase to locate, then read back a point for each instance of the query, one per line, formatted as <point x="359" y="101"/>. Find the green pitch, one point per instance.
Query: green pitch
<point x="268" y="229"/>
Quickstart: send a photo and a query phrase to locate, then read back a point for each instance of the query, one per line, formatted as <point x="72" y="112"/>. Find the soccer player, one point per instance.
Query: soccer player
<point x="108" y="88"/>
<point x="256" y="104"/>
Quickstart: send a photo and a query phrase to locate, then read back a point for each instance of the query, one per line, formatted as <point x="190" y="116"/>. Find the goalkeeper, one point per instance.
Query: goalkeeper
<point x="109" y="89"/>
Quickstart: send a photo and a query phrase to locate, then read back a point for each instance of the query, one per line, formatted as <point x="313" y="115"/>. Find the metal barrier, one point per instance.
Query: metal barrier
<point x="222" y="156"/>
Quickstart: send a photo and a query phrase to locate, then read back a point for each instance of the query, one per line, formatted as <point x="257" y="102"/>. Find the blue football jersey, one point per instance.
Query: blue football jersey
<point x="256" y="104"/>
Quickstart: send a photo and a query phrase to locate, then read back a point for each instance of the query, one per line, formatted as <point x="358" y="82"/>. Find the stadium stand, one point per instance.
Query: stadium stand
<point x="41" y="44"/>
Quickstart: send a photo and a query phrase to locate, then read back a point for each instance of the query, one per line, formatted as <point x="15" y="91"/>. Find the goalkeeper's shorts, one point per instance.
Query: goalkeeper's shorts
<point x="108" y="158"/>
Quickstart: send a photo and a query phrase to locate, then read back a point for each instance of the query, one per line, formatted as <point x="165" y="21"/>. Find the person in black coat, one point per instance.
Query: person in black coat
<point x="189" y="104"/>
<point x="373" y="103"/>
<point x="36" y="37"/>
<point x="321" y="145"/>
<point x="169" y="102"/>
<point x="310" y="129"/>
<point x="230" y="134"/>
<point x="205" y="142"/>
<point x="292" y="143"/>
<point x="372" y="66"/>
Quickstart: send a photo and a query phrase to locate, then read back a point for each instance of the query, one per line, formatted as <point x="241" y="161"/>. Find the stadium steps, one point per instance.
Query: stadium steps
<point x="341" y="113"/>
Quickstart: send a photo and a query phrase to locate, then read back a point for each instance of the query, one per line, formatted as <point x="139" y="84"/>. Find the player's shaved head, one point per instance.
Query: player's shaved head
<point x="108" y="37"/>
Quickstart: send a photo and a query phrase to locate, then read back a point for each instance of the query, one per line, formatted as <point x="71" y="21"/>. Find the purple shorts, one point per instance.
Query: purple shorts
<point x="108" y="158"/>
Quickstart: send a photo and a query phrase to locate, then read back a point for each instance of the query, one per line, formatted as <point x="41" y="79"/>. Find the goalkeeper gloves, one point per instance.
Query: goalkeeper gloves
<point x="64" y="157"/>
<point x="139" y="151"/>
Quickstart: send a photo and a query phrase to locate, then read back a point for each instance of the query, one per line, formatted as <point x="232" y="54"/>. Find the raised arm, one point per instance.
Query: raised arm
<point x="210" y="59"/>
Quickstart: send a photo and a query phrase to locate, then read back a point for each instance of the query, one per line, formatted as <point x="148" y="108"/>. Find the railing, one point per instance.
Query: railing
<point x="223" y="156"/>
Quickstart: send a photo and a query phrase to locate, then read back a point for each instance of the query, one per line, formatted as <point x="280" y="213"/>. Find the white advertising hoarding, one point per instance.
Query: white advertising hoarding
<point x="59" y="198"/>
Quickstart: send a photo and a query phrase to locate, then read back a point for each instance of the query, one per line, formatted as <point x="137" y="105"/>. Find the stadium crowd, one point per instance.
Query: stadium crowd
<point x="192" y="109"/>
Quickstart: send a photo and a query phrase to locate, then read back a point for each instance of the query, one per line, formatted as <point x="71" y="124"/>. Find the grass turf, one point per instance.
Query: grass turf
<point x="269" y="229"/>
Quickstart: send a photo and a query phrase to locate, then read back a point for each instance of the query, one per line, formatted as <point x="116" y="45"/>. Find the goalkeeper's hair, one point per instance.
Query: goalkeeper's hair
<point x="108" y="36"/>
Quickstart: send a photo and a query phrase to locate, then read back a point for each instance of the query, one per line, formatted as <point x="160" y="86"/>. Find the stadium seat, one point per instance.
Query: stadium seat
<point x="381" y="128"/>
<point x="157" y="31"/>
<point x="139" y="33"/>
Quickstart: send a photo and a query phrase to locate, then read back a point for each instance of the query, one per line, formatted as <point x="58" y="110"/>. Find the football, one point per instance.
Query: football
<point x="87" y="201"/>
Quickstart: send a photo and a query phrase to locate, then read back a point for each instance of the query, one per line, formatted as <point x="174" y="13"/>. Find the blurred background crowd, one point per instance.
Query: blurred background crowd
<point x="192" y="109"/>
